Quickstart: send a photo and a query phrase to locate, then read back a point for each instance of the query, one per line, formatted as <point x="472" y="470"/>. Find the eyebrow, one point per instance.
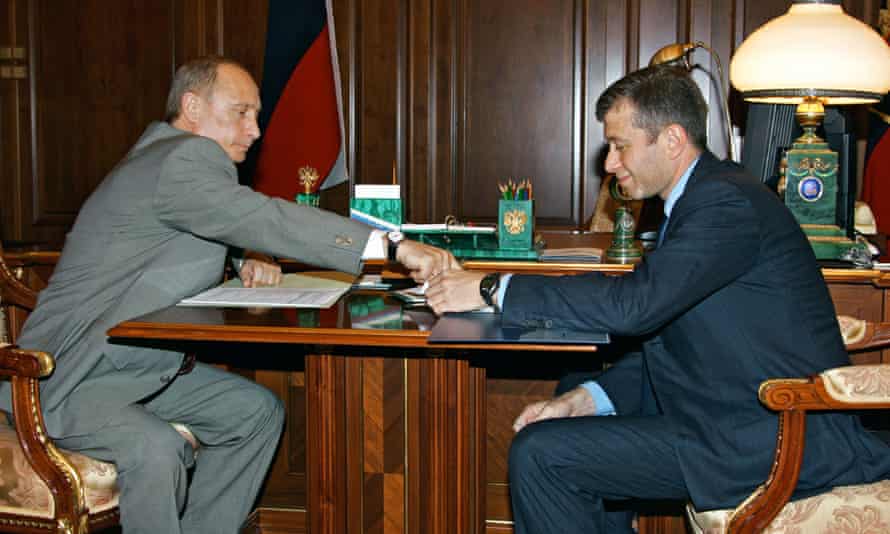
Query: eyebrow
<point x="244" y="105"/>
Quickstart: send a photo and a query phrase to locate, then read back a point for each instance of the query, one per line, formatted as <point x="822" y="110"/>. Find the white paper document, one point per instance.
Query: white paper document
<point x="307" y="290"/>
<point x="265" y="297"/>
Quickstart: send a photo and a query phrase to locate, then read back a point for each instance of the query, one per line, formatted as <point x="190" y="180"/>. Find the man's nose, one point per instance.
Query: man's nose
<point x="613" y="162"/>
<point x="253" y="130"/>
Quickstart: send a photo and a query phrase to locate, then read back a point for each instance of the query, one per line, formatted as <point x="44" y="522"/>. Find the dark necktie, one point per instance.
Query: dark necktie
<point x="661" y="230"/>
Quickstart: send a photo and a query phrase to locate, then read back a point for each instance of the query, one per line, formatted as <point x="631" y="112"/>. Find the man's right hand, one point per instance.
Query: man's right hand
<point x="424" y="261"/>
<point x="574" y="403"/>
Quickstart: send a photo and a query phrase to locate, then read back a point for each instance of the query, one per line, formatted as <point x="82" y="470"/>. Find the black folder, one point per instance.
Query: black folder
<point x="487" y="328"/>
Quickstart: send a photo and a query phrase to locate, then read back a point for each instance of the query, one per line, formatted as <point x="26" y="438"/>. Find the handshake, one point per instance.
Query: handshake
<point x="449" y="288"/>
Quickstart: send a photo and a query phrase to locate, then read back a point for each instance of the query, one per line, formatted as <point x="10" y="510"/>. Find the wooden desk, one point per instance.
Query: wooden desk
<point x="390" y="396"/>
<point x="395" y="427"/>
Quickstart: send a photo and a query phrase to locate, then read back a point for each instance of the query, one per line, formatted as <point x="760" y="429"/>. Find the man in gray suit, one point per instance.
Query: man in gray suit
<point x="155" y="231"/>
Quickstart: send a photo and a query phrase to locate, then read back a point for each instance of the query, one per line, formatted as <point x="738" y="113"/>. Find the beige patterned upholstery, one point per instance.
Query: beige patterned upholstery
<point x="859" y="383"/>
<point x="844" y="510"/>
<point x="22" y="492"/>
<point x="4" y="337"/>
<point x="852" y="329"/>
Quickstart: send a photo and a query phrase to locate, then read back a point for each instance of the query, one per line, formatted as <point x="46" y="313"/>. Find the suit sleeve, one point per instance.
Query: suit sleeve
<point x="712" y="240"/>
<point x="198" y="192"/>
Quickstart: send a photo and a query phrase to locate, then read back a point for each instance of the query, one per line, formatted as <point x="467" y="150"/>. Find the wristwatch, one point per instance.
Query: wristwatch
<point x="488" y="288"/>
<point x="392" y="244"/>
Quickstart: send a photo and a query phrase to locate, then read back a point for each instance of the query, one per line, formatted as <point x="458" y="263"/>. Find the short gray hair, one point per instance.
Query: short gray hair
<point x="196" y="76"/>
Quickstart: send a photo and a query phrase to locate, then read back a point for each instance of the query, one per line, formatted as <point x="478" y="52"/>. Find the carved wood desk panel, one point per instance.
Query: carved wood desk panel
<point x="395" y="428"/>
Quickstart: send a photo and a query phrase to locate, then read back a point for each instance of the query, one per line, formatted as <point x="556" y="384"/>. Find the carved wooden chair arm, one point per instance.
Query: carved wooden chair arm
<point x="25" y="363"/>
<point x="12" y="291"/>
<point x="861" y="387"/>
<point x="25" y="368"/>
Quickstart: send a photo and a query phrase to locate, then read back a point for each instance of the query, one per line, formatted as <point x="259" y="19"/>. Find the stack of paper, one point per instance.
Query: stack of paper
<point x="571" y="255"/>
<point x="307" y="290"/>
<point x="377" y="191"/>
<point x="444" y="228"/>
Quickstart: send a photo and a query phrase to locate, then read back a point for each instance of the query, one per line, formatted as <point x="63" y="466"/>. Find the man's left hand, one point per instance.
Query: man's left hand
<point x="574" y="403"/>
<point x="256" y="273"/>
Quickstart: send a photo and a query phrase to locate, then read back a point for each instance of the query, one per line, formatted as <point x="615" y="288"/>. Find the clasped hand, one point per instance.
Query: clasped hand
<point x="256" y="273"/>
<point x="574" y="403"/>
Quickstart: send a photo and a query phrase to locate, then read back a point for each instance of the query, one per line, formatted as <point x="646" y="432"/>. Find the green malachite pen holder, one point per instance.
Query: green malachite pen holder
<point x="308" y="199"/>
<point x="516" y="224"/>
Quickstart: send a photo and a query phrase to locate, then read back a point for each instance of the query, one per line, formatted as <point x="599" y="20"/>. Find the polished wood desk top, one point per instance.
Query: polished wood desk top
<point x="360" y="318"/>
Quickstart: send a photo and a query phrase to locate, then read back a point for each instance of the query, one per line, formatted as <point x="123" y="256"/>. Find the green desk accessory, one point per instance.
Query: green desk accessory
<point x="808" y="184"/>
<point x="623" y="248"/>
<point x="379" y="206"/>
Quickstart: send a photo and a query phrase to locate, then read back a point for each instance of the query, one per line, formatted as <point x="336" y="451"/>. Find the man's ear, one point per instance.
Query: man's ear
<point x="676" y="140"/>
<point x="191" y="106"/>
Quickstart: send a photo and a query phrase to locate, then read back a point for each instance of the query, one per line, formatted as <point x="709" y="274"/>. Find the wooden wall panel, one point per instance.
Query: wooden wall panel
<point x="379" y="87"/>
<point x="520" y="67"/>
<point x="13" y="111"/>
<point x="91" y="91"/>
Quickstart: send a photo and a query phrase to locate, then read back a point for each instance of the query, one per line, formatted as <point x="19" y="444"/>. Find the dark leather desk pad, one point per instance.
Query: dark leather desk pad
<point x="486" y="328"/>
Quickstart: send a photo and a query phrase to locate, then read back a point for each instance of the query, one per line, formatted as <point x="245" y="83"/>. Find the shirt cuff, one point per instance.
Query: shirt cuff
<point x="375" y="247"/>
<point x="502" y="290"/>
<point x="603" y="404"/>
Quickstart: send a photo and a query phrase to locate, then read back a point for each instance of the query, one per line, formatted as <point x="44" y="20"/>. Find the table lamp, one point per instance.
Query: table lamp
<point x="813" y="55"/>
<point x="678" y="54"/>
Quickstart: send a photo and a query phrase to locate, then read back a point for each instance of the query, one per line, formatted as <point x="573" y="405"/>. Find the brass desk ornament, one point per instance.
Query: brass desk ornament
<point x="308" y="179"/>
<point x="623" y="248"/>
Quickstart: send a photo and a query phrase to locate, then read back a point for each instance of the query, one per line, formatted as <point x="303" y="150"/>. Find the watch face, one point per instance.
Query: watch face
<point x="395" y="236"/>
<point x="488" y="287"/>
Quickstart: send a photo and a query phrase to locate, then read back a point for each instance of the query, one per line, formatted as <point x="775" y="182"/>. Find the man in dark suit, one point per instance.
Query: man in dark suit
<point x="153" y="232"/>
<point x="732" y="296"/>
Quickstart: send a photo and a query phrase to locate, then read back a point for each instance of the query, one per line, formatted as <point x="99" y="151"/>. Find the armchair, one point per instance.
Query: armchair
<point x="42" y="488"/>
<point x="862" y="387"/>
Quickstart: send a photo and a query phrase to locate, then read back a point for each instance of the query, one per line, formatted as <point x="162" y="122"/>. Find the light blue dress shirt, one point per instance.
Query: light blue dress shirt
<point x="601" y="400"/>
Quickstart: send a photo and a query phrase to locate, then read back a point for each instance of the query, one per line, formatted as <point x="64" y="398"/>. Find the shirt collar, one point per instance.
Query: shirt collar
<point x="678" y="189"/>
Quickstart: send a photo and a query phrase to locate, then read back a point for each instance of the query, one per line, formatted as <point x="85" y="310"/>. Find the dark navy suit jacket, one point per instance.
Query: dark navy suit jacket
<point x="733" y="296"/>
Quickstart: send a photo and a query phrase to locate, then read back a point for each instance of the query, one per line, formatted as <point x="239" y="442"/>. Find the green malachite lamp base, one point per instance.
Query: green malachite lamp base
<point x="810" y="175"/>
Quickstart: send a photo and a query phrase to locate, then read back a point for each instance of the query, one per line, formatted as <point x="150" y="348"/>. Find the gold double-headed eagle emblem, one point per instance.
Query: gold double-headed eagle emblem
<point x="514" y="221"/>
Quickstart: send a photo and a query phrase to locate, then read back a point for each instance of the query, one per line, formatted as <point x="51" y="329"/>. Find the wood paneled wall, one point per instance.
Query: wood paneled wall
<point x="454" y="94"/>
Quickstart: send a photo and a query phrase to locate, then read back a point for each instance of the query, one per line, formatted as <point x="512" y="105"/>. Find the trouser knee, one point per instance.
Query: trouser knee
<point x="525" y="450"/>
<point x="162" y="456"/>
<point x="266" y="413"/>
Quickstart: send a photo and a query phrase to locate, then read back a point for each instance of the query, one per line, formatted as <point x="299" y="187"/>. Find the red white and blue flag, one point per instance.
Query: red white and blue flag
<point x="300" y="117"/>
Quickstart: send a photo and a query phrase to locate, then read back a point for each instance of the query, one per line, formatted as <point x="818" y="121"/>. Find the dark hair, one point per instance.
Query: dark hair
<point x="662" y="95"/>
<point x="196" y="76"/>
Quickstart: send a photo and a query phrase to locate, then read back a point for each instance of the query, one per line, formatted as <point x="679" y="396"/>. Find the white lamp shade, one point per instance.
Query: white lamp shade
<point x="814" y="49"/>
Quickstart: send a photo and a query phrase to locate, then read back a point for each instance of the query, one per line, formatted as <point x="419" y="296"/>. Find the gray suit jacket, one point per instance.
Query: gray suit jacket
<point x="155" y="231"/>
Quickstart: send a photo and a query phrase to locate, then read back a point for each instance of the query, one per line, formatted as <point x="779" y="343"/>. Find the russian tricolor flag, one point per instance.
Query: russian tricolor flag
<point x="300" y="117"/>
